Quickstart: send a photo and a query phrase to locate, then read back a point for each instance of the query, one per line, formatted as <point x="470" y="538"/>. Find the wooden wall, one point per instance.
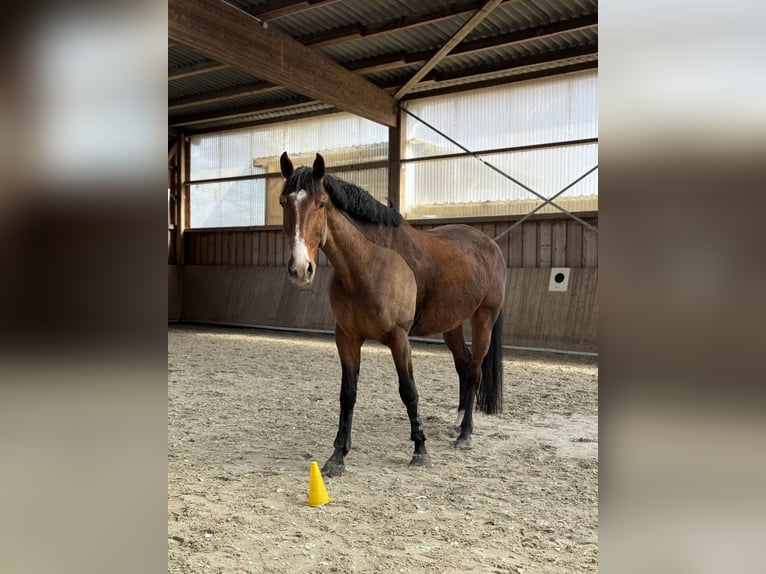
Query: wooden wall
<point x="546" y="241"/>
<point x="174" y="292"/>
<point x="238" y="276"/>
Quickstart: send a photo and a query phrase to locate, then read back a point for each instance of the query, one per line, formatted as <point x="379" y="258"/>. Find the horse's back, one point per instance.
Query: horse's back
<point x="462" y="244"/>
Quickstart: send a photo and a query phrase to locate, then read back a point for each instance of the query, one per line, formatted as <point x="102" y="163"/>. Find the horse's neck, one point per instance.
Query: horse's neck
<point x="346" y="246"/>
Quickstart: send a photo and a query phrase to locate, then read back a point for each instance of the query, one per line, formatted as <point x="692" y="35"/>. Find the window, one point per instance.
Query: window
<point x="543" y="133"/>
<point x="236" y="178"/>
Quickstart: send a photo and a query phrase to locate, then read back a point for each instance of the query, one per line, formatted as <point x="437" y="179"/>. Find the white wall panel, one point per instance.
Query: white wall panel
<point x="542" y="111"/>
<point x="231" y="154"/>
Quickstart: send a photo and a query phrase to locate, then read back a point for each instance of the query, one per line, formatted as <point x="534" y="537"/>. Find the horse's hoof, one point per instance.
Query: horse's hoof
<point x="333" y="470"/>
<point x="463" y="443"/>
<point x="421" y="460"/>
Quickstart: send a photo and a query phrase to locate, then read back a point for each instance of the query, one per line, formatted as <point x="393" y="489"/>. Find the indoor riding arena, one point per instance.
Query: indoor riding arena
<point x="404" y="120"/>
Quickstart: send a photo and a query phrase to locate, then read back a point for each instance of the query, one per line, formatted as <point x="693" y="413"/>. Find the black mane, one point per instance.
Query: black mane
<point x="347" y="197"/>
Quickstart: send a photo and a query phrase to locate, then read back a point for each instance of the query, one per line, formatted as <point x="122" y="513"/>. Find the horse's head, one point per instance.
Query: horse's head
<point x="304" y="217"/>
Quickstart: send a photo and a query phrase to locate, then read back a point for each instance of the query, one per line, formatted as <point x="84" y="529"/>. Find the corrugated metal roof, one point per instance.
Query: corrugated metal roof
<point x="390" y="30"/>
<point x="207" y="82"/>
<point x="180" y="56"/>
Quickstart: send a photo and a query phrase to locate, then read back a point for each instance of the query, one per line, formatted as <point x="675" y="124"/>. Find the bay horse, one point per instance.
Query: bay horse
<point x="392" y="281"/>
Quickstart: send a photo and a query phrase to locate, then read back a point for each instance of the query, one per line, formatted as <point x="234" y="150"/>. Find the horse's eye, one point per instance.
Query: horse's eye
<point x="321" y="205"/>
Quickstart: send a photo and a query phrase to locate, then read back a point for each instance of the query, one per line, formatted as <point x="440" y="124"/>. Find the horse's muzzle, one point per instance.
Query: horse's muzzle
<point x="303" y="275"/>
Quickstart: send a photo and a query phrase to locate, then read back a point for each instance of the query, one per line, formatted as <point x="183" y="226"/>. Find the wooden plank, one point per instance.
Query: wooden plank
<point x="226" y="258"/>
<point x="209" y="248"/>
<point x="222" y="95"/>
<point x="254" y="248"/>
<point x="504" y="242"/>
<point x="515" y="250"/>
<point x="231" y="255"/>
<point x="544" y="243"/>
<point x="278" y="8"/>
<point x="218" y="242"/>
<point x="574" y="243"/>
<point x="199" y="252"/>
<point x="395" y="153"/>
<point x="529" y="244"/>
<point x="262" y="248"/>
<point x="247" y="247"/>
<point x="230" y="36"/>
<point x="240" y="111"/>
<point x="270" y="249"/>
<point x="279" y="249"/>
<point x="559" y="243"/>
<point x="589" y="247"/>
<point x="195" y="69"/>
<point x="199" y="249"/>
<point x="239" y="249"/>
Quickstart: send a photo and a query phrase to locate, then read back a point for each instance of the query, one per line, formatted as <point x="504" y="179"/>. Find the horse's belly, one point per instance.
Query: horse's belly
<point x="435" y="319"/>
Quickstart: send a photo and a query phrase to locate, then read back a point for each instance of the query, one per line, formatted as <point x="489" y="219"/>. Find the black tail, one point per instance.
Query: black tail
<point x="489" y="398"/>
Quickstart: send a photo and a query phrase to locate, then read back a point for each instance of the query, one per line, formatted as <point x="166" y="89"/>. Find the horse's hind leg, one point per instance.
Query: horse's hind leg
<point x="481" y="333"/>
<point x="399" y="344"/>
<point x="462" y="355"/>
<point x="349" y="350"/>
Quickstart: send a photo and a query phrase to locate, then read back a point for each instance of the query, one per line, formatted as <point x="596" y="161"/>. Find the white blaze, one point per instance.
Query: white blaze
<point x="300" y="252"/>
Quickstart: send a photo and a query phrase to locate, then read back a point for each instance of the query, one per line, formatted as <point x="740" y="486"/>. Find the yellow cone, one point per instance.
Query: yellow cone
<point x="317" y="491"/>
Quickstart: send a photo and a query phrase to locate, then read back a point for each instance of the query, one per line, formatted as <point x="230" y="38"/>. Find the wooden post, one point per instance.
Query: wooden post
<point x="183" y="216"/>
<point x="396" y="143"/>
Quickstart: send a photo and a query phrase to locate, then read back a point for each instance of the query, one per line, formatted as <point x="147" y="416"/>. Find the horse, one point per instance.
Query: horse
<point x="391" y="281"/>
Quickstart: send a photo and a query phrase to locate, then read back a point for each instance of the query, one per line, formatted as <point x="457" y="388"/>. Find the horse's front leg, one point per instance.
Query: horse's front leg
<point x="349" y="351"/>
<point x="402" y="353"/>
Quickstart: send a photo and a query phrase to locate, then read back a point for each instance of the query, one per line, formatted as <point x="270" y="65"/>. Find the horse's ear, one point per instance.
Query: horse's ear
<point x="286" y="165"/>
<point x="317" y="170"/>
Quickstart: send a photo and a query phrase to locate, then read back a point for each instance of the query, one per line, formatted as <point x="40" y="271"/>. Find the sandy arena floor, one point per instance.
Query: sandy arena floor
<point x="248" y="410"/>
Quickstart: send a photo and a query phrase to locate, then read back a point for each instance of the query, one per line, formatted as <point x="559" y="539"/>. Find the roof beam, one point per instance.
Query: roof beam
<point x="552" y="57"/>
<point x="479" y="83"/>
<point x="464" y="30"/>
<point x="195" y="69"/>
<point x="558" y="58"/>
<point x="233" y="37"/>
<point x="356" y="31"/>
<point x="222" y="95"/>
<point x="402" y="59"/>
<point x="279" y="8"/>
<point x="242" y="111"/>
<point x="527" y="34"/>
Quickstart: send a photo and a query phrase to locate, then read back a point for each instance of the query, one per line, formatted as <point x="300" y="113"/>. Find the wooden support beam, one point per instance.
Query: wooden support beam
<point x="183" y="204"/>
<point x="172" y="152"/>
<point x="402" y="59"/>
<point x="551" y="57"/>
<point x="479" y="83"/>
<point x="465" y="29"/>
<point x="241" y="111"/>
<point x="194" y="70"/>
<point x="222" y="95"/>
<point x="354" y="31"/>
<point x="279" y="8"/>
<point x="396" y="142"/>
<point x="556" y="57"/>
<point x="266" y="121"/>
<point x="230" y="36"/>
